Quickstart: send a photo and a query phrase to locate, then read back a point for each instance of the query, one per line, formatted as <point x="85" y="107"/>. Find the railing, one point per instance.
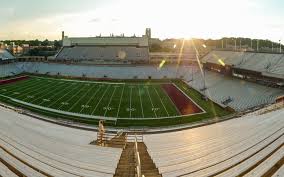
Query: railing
<point x="137" y="159"/>
<point x="111" y="139"/>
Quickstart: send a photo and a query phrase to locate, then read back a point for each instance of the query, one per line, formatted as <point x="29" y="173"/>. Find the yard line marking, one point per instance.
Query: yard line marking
<point x="162" y="102"/>
<point x="100" y="100"/>
<point x="54" y="95"/>
<point x="151" y="100"/>
<point x="97" y="90"/>
<point x="130" y="110"/>
<point x="110" y="101"/>
<point x="120" y="101"/>
<point x="80" y="98"/>
<point x="26" y="83"/>
<point x="51" y="90"/>
<point x="171" y="102"/>
<point x="141" y="102"/>
<point x="62" y="96"/>
<point x="30" y="85"/>
<point x="44" y="87"/>
<point x="70" y="98"/>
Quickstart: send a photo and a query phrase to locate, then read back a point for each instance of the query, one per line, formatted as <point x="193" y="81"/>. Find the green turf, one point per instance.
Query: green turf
<point x="136" y="100"/>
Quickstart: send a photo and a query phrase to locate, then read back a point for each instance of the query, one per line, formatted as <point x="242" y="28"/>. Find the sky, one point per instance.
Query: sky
<point x="45" y="19"/>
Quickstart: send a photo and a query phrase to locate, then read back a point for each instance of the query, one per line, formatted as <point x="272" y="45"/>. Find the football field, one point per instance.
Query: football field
<point x="141" y="100"/>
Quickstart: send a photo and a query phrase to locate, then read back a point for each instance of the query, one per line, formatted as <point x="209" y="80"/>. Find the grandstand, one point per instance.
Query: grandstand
<point x="5" y="55"/>
<point x="117" y="83"/>
<point x="251" y="145"/>
<point x="118" y="49"/>
<point x="264" y="67"/>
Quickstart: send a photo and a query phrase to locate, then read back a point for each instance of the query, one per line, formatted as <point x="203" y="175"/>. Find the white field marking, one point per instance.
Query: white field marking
<point x="59" y="92"/>
<point x="90" y="116"/>
<point x="50" y="91"/>
<point x="37" y="90"/>
<point x="85" y="106"/>
<point x="63" y="112"/>
<point x="33" y="89"/>
<point x="110" y="101"/>
<point x="97" y="90"/>
<point x="130" y="109"/>
<point x="46" y="100"/>
<point x="64" y="103"/>
<point x="151" y="100"/>
<point x="130" y="100"/>
<point x="70" y="80"/>
<point x="172" y="102"/>
<point x="203" y="111"/>
<point x="100" y="100"/>
<point x="81" y="97"/>
<point x="16" y="93"/>
<point x="4" y="90"/>
<point x="120" y="101"/>
<point x="161" y="101"/>
<point x="27" y="83"/>
<point x="24" y="88"/>
<point x="141" y="102"/>
<point x="62" y="96"/>
<point x="107" y="109"/>
<point x="70" y="98"/>
<point x="30" y="96"/>
<point x="155" y="109"/>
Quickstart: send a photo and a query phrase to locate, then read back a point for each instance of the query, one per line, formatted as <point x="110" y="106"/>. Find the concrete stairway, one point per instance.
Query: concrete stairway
<point x="126" y="166"/>
<point x="148" y="167"/>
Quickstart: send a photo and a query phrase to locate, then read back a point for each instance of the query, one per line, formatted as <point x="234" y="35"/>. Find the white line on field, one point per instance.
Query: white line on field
<point x="162" y="102"/>
<point x="70" y="98"/>
<point x="120" y="101"/>
<point x="100" y="100"/>
<point x="56" y="87"/>
<point x="58" y="93"/>
<point x="151" y="101"/>
<point x="110" y="101"/>
<point x="141" y="102"/>
<point x="130" y="110"/>
<point x="42" y="86"/>
<point x="97" y="90"/>
<point x="174" y="105"/>
<point x="63" y="96"/>
<point x="80" y="99"/>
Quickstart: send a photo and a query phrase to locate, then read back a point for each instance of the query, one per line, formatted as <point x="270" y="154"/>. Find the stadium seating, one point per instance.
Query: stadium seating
<point x="103" y="53"/>
<point x="9" y="70"/>
<point x="244" y="94"/>
<point x="225" y="149"/>
<point x="52" y="149"/>
<point x="5" y="55"/>
<point x="261" y="62"/>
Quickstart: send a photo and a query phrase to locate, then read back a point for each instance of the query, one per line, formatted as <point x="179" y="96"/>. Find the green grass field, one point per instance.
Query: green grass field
<point x="133" y="103"/>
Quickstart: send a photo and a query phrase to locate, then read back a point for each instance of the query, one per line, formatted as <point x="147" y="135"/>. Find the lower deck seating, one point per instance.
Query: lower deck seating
<point x="5" y="171"/>
<point x="52" y="149"/>
<point x="226" y="149"/>
<point x="243" y="94"/>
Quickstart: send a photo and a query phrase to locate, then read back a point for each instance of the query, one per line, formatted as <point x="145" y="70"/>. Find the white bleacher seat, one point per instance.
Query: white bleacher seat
<point x="208" y="150"/>
<point x="53" y="149"/>
<point x="5" y="171"/>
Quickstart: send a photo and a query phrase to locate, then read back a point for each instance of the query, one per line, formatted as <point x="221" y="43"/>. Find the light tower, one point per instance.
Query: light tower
<point x="62" y="35"/>
<point x="148" y="33"/>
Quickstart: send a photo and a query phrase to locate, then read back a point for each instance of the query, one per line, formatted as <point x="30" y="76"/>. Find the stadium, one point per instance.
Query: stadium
<point x="138" y="106"/>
